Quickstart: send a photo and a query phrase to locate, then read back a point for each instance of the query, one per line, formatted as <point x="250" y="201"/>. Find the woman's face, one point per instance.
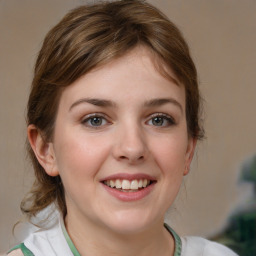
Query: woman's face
<point x="121" y="145"/>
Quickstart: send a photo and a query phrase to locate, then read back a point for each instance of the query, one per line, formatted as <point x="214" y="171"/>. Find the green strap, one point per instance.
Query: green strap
<point x="23" y="248"/>
<point x="69" y="241"/>
<point x="178" y="244"/>
<point x="27" y="252"/>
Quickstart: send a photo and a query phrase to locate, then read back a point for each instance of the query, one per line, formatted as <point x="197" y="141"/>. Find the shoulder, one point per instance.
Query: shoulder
<point x="20" y="250"/>
<point x="33" y="244"/>
<point x="16" y="252"/>
<point x="50" y="242"/>
<point x="194" y="246"/>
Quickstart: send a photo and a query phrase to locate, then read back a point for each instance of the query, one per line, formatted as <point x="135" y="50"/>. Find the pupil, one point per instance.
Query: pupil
<point x="96" y="121"/>
<point x="158" y="121"/>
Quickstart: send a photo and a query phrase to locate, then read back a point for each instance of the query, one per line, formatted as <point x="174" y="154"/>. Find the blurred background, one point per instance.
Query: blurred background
<point x="218" y="198"/>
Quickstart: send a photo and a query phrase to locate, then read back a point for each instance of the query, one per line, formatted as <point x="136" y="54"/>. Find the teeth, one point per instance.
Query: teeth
<point x="118" y="184"/>
<point x="145" y="182"/>
<point x="112" y="183"/>
<point x="134" y="184"/>
<point x="127" y="185"/>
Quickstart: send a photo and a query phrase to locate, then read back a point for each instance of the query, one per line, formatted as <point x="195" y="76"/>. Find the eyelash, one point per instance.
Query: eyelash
<point x="89" y="118"/>
<point x="164" y="117"/>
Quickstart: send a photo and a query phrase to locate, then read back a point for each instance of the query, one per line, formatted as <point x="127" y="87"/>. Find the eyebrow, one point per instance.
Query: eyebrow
<point x="163" y="101"/>
<point x="109" y="103"/>
<point x="95" y="102"/>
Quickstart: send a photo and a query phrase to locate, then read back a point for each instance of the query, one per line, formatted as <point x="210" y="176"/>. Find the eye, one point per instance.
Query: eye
<point x="94" y="120"/>
<point x="161" y="120"/>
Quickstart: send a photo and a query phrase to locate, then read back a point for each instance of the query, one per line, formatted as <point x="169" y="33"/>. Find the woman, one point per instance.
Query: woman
<point x="113" y="121"/>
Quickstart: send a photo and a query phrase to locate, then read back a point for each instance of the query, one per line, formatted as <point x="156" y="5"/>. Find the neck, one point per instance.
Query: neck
<point x="94" y="240"/>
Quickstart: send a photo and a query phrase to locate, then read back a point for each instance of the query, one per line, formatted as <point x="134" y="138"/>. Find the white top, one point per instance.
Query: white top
<point x="55" y="241"/>
<point x="198" y="246"/>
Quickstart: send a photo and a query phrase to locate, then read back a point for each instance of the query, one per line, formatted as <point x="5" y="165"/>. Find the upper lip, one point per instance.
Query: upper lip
<point x="129" y="176"/>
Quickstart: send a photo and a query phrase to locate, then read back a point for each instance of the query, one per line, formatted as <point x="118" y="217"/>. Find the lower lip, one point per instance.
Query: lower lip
<point x="129" y="196"/>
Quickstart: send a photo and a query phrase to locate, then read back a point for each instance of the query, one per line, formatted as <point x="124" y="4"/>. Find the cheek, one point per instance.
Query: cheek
<point x="170" y="154"/>
<point x="170" y="158"/>
<point x="79" y="157"/>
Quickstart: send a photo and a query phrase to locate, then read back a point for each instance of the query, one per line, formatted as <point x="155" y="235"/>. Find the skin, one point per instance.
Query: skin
<point x="128" y="140"/>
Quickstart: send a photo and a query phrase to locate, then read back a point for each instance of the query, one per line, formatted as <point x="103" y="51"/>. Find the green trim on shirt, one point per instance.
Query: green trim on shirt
<point x="69" y="241"/>
<point x="178" y="244"/>
<point x="23" y="248"/>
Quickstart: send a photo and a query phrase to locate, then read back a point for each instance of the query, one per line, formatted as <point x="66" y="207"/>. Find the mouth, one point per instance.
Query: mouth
<point x="125" y="185"/>
<point x="129" y="187"/>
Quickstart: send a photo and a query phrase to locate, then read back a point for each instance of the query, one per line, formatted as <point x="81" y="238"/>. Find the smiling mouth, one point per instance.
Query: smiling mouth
<point x="128" y="185"/>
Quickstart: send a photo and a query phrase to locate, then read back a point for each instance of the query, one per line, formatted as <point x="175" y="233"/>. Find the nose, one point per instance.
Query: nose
<point x="130" y="145"/>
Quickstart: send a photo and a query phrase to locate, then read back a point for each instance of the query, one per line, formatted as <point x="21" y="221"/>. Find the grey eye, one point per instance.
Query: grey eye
<point x="95" y="121"/>
<point x="161" y="121"/>
<point x="158" y="121"/>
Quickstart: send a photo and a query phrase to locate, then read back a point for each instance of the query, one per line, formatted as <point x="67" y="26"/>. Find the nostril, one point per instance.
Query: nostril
<point x="132" y="159"/>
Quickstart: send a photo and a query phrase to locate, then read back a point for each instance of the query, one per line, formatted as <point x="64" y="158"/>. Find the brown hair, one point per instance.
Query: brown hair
<point x="85" y="38"/>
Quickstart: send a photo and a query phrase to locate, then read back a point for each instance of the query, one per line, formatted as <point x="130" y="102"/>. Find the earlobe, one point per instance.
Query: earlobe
<point x="43" y="151"/>
<point x="189" y="154"/>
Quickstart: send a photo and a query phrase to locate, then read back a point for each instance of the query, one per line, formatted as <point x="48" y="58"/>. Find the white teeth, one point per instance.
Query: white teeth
<point x="118" y="184"/>
<point x="134" y="184"/>
<point x="112" y="183"/>
<point x="126" y="184"/>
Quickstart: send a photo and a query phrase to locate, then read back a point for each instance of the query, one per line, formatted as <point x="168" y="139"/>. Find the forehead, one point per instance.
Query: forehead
<point x="149" y="57"/>
<point x="138" y="72"/>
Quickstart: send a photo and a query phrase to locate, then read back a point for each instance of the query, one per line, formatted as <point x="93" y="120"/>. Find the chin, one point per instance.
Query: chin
<point x="131" y="222"/>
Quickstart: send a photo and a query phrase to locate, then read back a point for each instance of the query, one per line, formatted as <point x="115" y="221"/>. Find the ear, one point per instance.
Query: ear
<point x="189" y="154"/>
<point x="43" y="151"/>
